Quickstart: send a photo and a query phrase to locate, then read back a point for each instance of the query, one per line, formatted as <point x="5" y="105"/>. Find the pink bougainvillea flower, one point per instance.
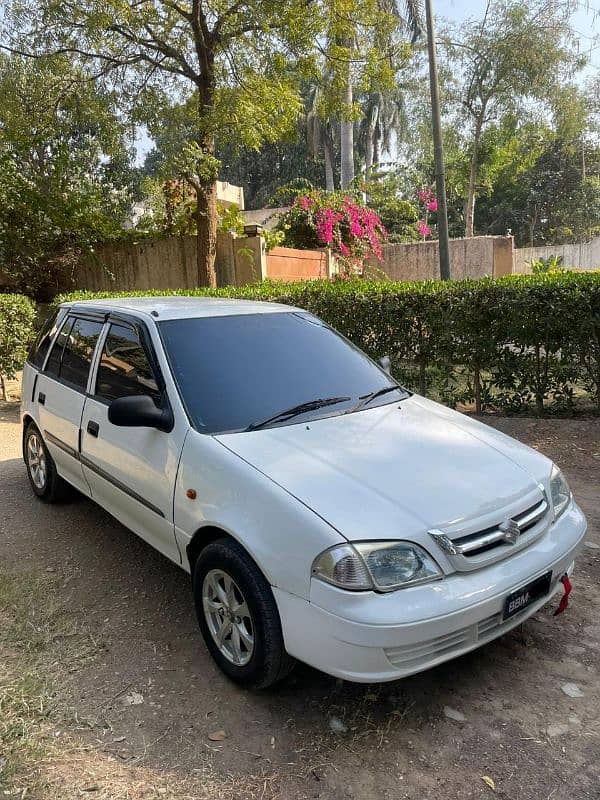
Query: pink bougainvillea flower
<point x="425" y="195"/>
<point x="424" y="229"/>
<point x="341" y="223"/>
<point x="432" y="205"/>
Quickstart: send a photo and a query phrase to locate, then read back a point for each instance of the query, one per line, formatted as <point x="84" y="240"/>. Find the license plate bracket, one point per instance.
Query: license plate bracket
<point x="520" y="599"/>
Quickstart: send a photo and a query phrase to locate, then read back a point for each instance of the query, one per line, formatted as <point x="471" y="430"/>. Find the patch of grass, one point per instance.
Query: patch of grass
<point x="27" y="623"/>
<point x="42" y="757"/>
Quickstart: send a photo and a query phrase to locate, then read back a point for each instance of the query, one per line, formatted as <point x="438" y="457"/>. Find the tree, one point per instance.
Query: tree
<point x="65" y="177"/>
<point x="383" y="114"/>
<point x="363" y="49"/>
<point x="519" y="51"/>
<point x="542" y="193"/>
<point x="229" y="62"/>
<point x="320" y="132"/>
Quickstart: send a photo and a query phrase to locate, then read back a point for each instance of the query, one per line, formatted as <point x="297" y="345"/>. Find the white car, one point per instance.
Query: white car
<point x="324" y="512"/>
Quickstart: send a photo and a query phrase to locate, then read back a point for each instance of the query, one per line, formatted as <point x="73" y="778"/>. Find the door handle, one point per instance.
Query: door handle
<point x="41" y="398"/>
<point x="93" y="428"/>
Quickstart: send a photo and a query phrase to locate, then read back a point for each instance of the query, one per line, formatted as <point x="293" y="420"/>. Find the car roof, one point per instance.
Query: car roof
<point x="180" y="307"/>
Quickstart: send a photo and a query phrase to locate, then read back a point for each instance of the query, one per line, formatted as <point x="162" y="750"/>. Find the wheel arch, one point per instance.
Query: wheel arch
<point x="27" y="420"/>
<point x="207" y="534"/>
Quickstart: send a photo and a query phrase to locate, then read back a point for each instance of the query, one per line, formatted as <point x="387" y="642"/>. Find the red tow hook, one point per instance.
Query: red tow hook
<point x="564" y="600"/>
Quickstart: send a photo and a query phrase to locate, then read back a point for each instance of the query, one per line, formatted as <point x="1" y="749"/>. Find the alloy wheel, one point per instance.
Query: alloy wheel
<point x="36" y="461"/>
<point x="228" y="617"/>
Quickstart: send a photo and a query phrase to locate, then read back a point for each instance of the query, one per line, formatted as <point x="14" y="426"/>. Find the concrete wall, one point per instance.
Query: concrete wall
<point x="469" y="258"/>
<point x="166" y="263"/>
<point x="583" y="256"/>
<point x="170" y="262"/>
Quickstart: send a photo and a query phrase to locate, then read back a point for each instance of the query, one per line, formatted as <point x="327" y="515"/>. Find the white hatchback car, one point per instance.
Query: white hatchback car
<point x="324" y="512"/>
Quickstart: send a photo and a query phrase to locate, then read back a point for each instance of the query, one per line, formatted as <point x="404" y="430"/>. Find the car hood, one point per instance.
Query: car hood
<point x="395" y="471"/>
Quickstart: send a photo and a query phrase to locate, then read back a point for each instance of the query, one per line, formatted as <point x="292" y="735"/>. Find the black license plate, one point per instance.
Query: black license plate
<point x="519" y="600"/>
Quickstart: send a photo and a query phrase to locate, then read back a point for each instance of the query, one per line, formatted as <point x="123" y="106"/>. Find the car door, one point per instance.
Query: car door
<point x="60" y="392"/>
<point x="131" y="471"/>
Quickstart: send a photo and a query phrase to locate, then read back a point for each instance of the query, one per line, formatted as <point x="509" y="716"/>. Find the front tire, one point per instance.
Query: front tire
<point x="238" y="616"/>
<point x="41" y="469"/>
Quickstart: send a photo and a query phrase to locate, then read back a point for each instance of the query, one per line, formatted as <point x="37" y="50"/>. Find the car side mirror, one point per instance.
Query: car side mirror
<point x="385" y="362"/>
<point x="140" y="411"/>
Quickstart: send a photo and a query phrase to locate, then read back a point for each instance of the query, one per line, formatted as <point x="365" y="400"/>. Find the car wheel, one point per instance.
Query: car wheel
<point x="238" y="616"/>
<point x="41" y="469"/>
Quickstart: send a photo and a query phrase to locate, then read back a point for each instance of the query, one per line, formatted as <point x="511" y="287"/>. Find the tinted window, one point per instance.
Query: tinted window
<point x="38" y="352"/>
<point x="78" y="352"/>
<point x="55" y="359"/>
<point x="233" y="371"/>
<point x="124" y="367"/>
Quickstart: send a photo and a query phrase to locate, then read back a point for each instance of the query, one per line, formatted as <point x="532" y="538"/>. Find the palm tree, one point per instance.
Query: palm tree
<point x="320" y="133"/>
<point x="384" y="111"/>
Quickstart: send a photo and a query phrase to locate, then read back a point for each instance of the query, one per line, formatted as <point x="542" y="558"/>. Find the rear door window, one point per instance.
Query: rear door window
<point x="71" y="356"/>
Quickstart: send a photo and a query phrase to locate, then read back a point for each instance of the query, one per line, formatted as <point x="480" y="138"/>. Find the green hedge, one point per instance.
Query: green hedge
<point x="17" y="317"/>
<point x="512" y="343"/>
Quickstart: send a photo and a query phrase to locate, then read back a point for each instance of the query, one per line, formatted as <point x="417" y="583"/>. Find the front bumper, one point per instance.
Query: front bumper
<point x="368" y="637"/>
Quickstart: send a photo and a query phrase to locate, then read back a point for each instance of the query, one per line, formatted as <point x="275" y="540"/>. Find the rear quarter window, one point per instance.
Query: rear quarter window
<point x="39" y="350"/>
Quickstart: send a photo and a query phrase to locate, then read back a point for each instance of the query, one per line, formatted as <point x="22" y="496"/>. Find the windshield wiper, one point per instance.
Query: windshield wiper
<point x="312" y="405"/>
<point x="364" y="401"/>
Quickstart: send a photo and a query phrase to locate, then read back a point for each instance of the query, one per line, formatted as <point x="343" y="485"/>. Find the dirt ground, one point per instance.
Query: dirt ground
<point x="136" y="697"/>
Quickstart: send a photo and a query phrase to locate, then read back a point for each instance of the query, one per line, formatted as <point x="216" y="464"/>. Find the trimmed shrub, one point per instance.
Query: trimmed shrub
<point x="17" y="317"/>
<point x="513" y="343"/>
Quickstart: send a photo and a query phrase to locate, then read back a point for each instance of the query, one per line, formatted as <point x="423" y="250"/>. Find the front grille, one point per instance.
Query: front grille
<point x="476" y="548"/>
<point x="482" y="541"/>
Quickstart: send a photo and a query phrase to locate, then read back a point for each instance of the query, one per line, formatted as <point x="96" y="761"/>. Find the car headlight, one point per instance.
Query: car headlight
<point x="382" y="566"/>
<point x="559" y="492"/>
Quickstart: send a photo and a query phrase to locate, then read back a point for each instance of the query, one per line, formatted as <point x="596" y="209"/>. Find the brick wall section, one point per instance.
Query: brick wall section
<point x="288" y="264"/>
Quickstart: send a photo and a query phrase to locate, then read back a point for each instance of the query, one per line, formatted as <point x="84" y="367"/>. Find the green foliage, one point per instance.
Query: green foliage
<point x="398" y="216"/>
<point x="543" y="192"/>
<point x="545" y="265"/>
<point x="65" y="179"/>
<point x="17" y="316"/>
<point x="273" y="238"/>
<point x="511" y="343"/>
<point x="231" y="219"/>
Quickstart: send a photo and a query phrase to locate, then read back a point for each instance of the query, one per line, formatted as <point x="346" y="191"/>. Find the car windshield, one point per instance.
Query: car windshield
<point x="240" y="372"/>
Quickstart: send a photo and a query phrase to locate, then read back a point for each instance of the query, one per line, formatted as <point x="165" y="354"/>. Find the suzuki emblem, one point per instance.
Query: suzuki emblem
<point x="511" y="531"/>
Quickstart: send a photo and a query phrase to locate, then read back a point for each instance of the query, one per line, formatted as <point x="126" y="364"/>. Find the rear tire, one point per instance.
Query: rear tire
<point x="41" y="469"/>
<point x="238" y="616"/>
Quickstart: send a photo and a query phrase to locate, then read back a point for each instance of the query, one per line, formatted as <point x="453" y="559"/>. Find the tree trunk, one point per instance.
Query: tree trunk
<point x="477" y="389"/>
<point x="369" y="151"/>
<point x="206" y="181"/>
<point x="328" y="155"/>
<point x="206" y="225"/>
<point x="376" y="147"/>
<point x="473" y="173"/>
<point x="347" y="136"/>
